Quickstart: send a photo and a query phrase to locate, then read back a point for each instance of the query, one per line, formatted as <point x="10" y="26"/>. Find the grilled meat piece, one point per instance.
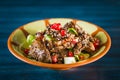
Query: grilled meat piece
<point x="39" y="52"/>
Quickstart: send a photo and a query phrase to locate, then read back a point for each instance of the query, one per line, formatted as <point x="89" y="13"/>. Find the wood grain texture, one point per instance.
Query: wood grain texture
<point x="104" y="13"/>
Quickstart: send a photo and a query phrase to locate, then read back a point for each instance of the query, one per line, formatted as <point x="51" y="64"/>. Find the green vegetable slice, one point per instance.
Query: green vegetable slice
<point x="47" y="37"/>
<point x="72" y="30"/>
<point x="30" y="39"/>
<point x="86" y="55"/>
<point x="76" y="57"/>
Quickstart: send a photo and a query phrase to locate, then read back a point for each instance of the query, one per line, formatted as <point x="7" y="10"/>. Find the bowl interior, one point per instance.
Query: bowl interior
<point x="17" y="39"/>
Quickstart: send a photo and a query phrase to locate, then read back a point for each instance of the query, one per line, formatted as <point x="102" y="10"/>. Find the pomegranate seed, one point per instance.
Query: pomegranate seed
<point x="56" y="26"/>
<point x="63" y="32"/>
<point x="53" y="26"/>
<point x="26" y="51"/>
<point x="96" y="43"/>
<point x="54" y="59"/>
<point x="73" y="41"/>
<point x="70" y="54"/>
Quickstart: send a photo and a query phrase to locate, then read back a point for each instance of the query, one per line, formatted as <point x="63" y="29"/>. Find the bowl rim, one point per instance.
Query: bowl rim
<point x="55" y="66"/>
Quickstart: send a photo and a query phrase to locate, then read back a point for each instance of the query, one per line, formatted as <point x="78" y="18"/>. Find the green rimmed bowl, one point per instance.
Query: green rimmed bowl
<point x="18" y="37"/>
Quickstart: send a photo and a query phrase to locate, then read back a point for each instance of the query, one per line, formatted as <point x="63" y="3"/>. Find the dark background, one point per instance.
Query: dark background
<point x="105" y="13"/>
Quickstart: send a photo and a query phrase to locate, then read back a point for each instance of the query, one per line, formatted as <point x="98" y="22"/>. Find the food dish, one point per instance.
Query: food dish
<point x="18" y="39"/>
<point x="61" y="44"/>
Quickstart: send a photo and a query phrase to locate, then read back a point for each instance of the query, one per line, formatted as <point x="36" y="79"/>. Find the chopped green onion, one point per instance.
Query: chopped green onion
<point x="76" y="57"/>
<point x="72" y="30"/>
<point x="47" y="37"/>
<point x="30" y="39"/>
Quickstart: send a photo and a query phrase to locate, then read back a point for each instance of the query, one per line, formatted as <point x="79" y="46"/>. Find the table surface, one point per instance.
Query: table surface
<point x="105" y="13"/>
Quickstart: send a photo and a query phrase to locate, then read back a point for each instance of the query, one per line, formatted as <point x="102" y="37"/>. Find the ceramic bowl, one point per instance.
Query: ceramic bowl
<point x="18" y="37"/>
